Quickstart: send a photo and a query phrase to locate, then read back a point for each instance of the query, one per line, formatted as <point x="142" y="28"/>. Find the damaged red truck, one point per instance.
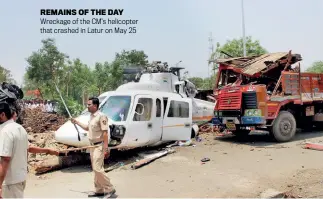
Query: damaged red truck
<point x="267" y="93"/>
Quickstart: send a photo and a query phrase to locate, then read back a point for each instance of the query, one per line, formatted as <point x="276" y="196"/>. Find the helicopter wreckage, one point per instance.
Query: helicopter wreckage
<point x="157" y="107"/>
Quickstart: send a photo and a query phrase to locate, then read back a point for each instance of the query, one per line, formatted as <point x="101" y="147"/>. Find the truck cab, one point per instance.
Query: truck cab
<point x="240" y="107"/>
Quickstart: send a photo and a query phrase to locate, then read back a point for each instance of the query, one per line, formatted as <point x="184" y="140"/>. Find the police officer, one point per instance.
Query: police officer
<point x="98" y="135"/>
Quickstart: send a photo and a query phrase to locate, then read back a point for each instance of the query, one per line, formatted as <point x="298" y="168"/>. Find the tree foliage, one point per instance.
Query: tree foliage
<point x="317" y="67"/>
<point x="5" y="75"/>
<point x="203" y="83"/>
<point x="47" y="65"/>
<point x="235" y="47"/>
<point x="76" y="81"/>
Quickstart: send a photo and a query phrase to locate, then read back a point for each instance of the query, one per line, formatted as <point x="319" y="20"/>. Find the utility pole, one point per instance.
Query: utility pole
<point x="243" y="30"/>
<point x="211" y="47"/>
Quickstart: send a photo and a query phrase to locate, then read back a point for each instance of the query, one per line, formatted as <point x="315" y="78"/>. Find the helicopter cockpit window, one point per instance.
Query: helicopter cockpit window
<point x="143" y="109"/>
<point x="117" y="107"/>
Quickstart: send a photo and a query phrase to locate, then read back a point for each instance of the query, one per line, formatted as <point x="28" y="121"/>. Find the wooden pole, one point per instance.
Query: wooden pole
<point x="289" y="57"/>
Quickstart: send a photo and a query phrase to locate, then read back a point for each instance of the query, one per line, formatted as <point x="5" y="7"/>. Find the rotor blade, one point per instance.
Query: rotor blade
<point x="78" y="132"/>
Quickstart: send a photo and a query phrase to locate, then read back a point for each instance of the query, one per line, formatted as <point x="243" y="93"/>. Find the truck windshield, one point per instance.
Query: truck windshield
<point x="117" y="107"/>
<point x="227" y="77"/>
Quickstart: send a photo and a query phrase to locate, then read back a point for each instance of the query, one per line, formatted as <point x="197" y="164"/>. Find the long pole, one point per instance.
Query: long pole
<point x="243" y="30"/>
<point x="78" y="133"/>
<point x="210" y="56"/>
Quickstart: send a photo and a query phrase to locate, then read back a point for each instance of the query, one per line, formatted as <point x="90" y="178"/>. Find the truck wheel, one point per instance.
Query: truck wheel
<point x="284" y="127"/>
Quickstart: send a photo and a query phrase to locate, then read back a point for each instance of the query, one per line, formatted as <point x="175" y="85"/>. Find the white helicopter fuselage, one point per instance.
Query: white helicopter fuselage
<point x="155" y="110"/>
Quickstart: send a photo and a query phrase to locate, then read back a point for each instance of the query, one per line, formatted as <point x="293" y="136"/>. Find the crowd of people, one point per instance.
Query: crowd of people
<point x="45" y="105"/>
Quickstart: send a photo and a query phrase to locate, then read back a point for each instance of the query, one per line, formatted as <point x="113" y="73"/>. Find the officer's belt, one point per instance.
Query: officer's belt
<point x="95" y="143"/>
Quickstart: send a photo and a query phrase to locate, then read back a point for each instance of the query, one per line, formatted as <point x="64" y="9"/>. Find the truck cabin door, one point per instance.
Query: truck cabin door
<point x="139" y="125"/>
<point x="177" y="123"/>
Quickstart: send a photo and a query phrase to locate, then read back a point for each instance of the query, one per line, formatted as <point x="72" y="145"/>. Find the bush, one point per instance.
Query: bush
<point x="73" y="106"/>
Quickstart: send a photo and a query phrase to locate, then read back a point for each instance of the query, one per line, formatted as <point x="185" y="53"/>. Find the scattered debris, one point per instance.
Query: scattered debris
<point x="271" y="193"/>
<point x="198" y="139"/>
<point x="43" y="140"/>
<point x="180" y="143"/>
<point x="313" y="146"/>
<point x="40" y="127"/>
<point x="151" y="158"/>
<point x="172" y="145"/>
<point x="271" y="147"/>
<point x="205" y="160"/>
<point x="59" y="162"/>
<point x="68" y="151"/>
<point x="185" y="143"/>
<point x="115" y="166"/>
<point x="208" y="128"/>
<point x="37" y="121"/>
<point x="290" y="195"/>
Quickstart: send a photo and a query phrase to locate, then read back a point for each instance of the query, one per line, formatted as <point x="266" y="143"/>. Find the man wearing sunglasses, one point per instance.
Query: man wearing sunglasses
<point x="98" y="135"/>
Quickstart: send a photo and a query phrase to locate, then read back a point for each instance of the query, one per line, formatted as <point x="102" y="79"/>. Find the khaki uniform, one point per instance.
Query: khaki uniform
<point x="97" y="124"/>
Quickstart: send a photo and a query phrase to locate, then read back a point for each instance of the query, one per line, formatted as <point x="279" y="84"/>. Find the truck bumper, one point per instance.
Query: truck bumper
<point x="249" y="120"/>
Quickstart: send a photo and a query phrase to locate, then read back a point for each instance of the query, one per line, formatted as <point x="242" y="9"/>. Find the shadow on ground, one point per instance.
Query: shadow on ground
<point x="117" y="159"/>
<point x="263" y="139"/>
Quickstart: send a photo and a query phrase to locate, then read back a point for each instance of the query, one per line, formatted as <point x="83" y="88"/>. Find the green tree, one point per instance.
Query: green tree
<point x="317" y="67"/>
<point x="127" y="59"/>
<point x="6" y="76"/>
<point x="235" y="48"/>
<point x="203" y="83"/>
<point x="132" y="57"/>
<point x="209" y="82"/>
<point x="80" y="80"/>
<point x="47" y="65"/>
<point x="75" y="80"/>
<point x="108" y="76"/>
<point x="197" y="81"/>
<point x="101" y="76"/>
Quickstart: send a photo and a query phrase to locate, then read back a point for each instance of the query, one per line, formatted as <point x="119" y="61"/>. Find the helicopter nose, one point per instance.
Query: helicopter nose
<point x="67" y="134"/>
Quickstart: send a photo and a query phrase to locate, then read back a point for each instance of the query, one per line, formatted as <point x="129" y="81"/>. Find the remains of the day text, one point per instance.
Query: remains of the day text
<point x="81" y="25"/>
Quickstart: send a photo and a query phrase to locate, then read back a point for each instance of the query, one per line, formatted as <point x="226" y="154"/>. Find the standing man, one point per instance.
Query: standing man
<point x="98" y="135"/>
<point x="14" y="148"/>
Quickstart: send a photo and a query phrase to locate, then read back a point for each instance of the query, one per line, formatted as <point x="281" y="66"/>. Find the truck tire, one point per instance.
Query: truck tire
<point x="284" y="127"/>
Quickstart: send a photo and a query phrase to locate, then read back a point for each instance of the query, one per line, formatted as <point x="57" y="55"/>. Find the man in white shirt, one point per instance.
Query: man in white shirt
<point x="14" y="148"/>
<point x="49" y="107"/>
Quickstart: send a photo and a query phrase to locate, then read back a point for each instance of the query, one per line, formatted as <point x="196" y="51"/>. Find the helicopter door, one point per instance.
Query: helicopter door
<point x="158" y="113"/>
<point x="177" y="123"/>
<point x="141" y="122"/>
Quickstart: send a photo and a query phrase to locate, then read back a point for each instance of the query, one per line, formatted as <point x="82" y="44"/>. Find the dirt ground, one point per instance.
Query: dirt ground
<point x="237" y="168"/>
